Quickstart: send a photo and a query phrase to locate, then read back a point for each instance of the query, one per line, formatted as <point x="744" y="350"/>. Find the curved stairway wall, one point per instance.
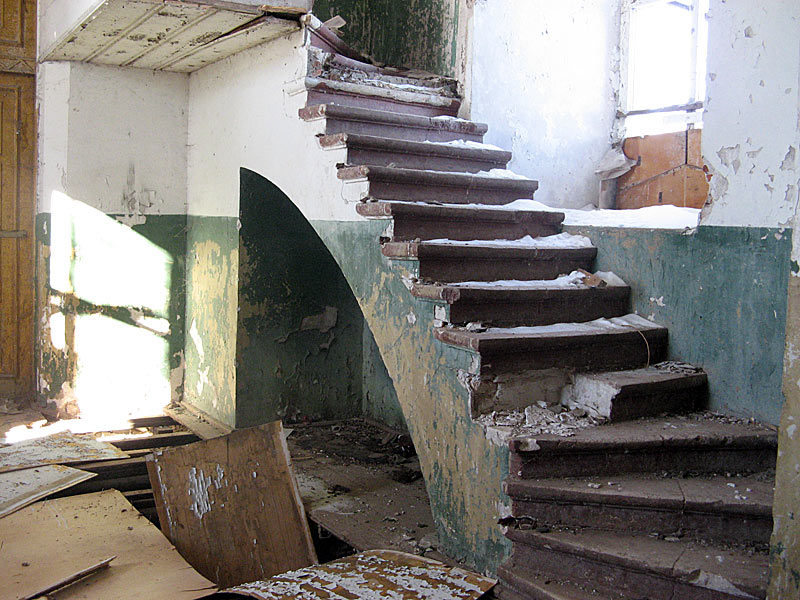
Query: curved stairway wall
<point x="244" y="114"/>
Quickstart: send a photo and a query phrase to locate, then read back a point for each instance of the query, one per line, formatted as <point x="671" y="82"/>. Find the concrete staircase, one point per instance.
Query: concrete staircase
<point x="638" y="507"/>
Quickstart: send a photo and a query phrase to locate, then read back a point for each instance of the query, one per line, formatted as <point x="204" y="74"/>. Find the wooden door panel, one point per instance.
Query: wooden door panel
<point x="18" y="36"/>
<point x="17" y="160"/>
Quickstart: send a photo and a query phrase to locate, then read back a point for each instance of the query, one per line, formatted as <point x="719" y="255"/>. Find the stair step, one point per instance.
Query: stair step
<point x="377" y="97"/>
<point x="459" y="156"/>
<point x="625" y="395"/>
<point x="421" y="221"/>
<point x="516" y="583"/>
<point x="534" y="304"/>
<point x="412" y="185"/>
<point x="715" y="507"/>
<point x="619" y="343"/>
<point x="691" y="443"/>
<point x="638" y="566"/>
<point x="390" y="124"/>
<point x="471" y="262"/>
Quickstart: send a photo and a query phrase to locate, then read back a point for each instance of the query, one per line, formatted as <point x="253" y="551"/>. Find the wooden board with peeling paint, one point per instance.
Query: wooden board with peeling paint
<point x="57" y="449"/>
<point x="231" y="505"/>
<point x="21" y="488"/>
<point x="372" y="574"/>
<point x="49" y="541"/>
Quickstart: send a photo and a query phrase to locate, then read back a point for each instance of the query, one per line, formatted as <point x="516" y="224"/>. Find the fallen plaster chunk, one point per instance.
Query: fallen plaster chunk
<point x="718" y="583"/>
<point x="574" y="279"/>
<point x="501" y="174"/>
<point x="591" y="394"/>
<point x="596" y="326"/>
<point x="561" y="240"/>
<point x="650" y="217"/>
<point x="466" y="144"/>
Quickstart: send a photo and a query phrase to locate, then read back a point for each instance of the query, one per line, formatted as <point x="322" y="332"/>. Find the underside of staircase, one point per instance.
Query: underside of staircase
<point x="646" y="497"/>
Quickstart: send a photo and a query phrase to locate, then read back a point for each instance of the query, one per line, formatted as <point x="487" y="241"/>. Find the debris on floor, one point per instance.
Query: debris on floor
<point x="21" y="488"/>
<point x="60" y="448"/>
<point x="48" y="542"/>
<point x="372" y="574"/>
<point x="242" y="518"/>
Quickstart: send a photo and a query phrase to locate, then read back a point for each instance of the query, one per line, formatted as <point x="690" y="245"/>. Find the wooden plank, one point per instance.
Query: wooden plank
<point x="18" y="489"/>
<point x="231" y="505"/>
<point x="373" y="574"/>
<point x="161" y="440"/>
<point x="57" y="449"/>
<point x="71" y="579"/>
<point x="51" y="540"/>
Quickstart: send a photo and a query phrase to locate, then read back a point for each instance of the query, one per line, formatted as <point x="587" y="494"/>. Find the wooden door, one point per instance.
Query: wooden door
<point x="17" y="196"/>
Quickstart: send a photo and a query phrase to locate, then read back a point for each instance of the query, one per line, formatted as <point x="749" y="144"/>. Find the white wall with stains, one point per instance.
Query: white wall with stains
<point x="243" y="112"/>
<point x="544" y="77"/>
<point x="751" y="137"/>
<point x="114" y="139"/>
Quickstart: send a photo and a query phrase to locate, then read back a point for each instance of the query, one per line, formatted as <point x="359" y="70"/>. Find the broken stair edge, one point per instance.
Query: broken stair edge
<point x="438" y="178"/>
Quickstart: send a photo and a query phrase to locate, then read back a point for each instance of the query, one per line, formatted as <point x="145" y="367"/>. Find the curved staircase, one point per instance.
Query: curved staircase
<point x="643" y="506"/>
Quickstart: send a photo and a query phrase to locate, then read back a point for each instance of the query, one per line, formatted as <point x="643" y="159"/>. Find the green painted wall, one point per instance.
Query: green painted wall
<point x="299" y="354"/>
<point x="721" y="291"/>
<point x="212" y="279"/>
<point x="463" y="470"/>
<point x="110" y="301"/>
<point x="422" y="34"/>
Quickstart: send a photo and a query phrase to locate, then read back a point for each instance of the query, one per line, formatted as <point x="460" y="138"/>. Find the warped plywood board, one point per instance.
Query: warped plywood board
<point x="174" y="36"/>
<point x="20" y="488"/>
<point x="371" y="574"/>
<point x="231" y="505"/>
<point x="49" y="541"/>
<point x="57" y="449"/>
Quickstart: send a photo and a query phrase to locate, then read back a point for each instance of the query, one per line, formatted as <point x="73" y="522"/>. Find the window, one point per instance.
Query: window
<point x="666" y="66"/>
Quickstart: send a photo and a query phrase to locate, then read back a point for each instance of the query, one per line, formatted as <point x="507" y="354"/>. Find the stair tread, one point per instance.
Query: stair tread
<point x="634" y="380"/>
<point x="385" y="209"/>
<point x="441" y="178"/>
<point x="680" y="430"/>
<point x="539" y="587"/>
<point x="465" y="150"/>
<point x="748" y="495"/>
<point x="456" y="249"/>
<point x="543" y="334"/>
<point x="353" y="113"/>
<point x="518" y="291"/>
<point x="695" y="563"/>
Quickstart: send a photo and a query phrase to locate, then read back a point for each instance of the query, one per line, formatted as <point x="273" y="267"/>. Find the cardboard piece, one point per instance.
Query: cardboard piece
<point x="231" y="505"/>
<point x="372" y="574"/>
<point x="47" y="542"/>
<point x="57" y="449"/>
<point x="21" y="488"/>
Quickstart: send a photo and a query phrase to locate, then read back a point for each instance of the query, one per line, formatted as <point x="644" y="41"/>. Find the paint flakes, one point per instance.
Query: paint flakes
<point x="789" y="160"/>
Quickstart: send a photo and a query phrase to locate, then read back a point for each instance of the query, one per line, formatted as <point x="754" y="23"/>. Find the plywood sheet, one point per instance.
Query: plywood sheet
<point x="21" y="488"/>
<point x="372" y="574"/>
<point x="51" y="540"/>
<point x="232" y="507"/>
<point x="57" y="449"/>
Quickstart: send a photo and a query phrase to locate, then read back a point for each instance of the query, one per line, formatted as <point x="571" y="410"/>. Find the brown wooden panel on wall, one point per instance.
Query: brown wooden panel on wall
<point x="17" y="162"/>
<point x="18" y="36"/>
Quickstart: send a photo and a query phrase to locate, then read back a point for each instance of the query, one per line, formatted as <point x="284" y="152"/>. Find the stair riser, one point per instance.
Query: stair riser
<point x="413" y="192"/>
<point x="512" y="586"/>
<point x="611" y="578"/>
<point x="408" y="229"/>
<point x="701" y="526"/>
<point x="544" y="312"/>
<point x="448" y="270"/>
<point x="614" y="353"/>
<point x="650" y="405"/>
<point x="412" y="134"/>
<point x="360" y="156"/>
<point x="317" y="96"/>
<point x="542" y="464"/>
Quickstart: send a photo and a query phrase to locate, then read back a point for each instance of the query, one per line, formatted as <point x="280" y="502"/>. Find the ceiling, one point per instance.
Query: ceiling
<point x="169" y="36"/>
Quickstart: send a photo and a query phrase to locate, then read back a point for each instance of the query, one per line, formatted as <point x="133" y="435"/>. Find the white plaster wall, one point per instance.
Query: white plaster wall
<point x="52" y="92"/>
<point x="57" y="17"/>
<point x="751" y="136"/>
<point x="127" y="133"/>
<point x="241" y="116"/>
<point x="544" y="76"/>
